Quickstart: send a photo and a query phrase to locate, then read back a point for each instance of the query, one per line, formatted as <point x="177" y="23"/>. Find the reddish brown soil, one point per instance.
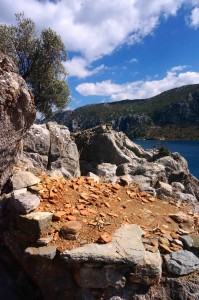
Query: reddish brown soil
<point x="103" y="207"/>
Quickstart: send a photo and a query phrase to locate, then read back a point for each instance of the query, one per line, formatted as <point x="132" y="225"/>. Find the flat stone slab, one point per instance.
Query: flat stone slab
<point x="24" y="179"/>
<point x="181" y="262"/>
<point x="115" y="262"/>
<point x="126" y="247"/>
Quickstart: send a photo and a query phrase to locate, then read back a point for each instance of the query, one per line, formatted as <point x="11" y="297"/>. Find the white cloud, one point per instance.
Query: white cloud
<point x="194" y="18"/>
<point x="133" y="60"/>
<point x="138" y="89"/>
<point x="96" y="28"/>
<point x="178" y="68"/>
<point x="78" y="67"/>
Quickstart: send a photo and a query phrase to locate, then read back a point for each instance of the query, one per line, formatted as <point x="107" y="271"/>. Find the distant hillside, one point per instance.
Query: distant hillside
<point x="173" y="114"/>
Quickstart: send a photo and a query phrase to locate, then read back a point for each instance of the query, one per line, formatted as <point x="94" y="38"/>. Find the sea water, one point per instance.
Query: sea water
<point x="188" y="149"/>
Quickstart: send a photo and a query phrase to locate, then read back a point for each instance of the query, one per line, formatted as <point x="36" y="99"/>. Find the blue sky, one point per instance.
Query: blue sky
<point x="120" y="49"/>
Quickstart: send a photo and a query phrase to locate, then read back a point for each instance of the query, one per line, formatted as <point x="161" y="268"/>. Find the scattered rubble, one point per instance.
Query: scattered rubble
<point x="107" y="234"/>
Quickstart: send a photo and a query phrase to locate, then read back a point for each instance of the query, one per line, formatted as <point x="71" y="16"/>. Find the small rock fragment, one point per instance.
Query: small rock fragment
<point x="58" y="215"/>
<point x="71" y="230"/>
<point x="47" y="252"/>
<point x="105" y="238"/>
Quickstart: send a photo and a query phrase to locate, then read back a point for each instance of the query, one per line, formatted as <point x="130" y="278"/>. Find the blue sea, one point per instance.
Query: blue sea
<point x="188" y="149"/>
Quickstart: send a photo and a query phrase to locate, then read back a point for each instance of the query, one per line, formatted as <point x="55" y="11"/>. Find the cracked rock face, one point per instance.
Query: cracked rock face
<point x="124" y="255"/>
<point x="150" y="169"/>
<point x="17" y="114"/>
<point x="49" y="146"/>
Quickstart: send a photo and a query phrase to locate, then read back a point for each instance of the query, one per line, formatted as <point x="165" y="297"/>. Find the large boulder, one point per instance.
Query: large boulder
<point x="151" y="170"/>
<point x="17" y="114"/>
<point x="50" y="147"/>
<point x="103" y="145"/>
<point x="124" y="257"/>
<point x="63" y="151"/>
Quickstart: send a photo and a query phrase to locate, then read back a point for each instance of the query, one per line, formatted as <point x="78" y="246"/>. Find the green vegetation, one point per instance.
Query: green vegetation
<point x="150" y="107"/>
<point x="164" y="151"/>
<point x="39" y="60"/>
<point x="170" y="115"/>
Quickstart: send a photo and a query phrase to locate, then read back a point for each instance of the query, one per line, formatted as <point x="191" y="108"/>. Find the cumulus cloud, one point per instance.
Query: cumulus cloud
<point x="138" y="89"/>
<point x="78" y="67"/>
<point x="96" y="28"/>
<point x="194" y="18"/>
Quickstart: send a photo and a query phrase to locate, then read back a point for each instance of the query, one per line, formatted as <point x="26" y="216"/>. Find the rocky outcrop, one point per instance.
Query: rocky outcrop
<point x="17" y="113"/>
<point x="50" y="147"/>
<point x="112" y="155"/>
<point x="122" y="260"/>
<point x="103" y="145"/>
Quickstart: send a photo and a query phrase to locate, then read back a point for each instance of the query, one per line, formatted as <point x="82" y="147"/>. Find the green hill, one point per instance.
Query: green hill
<point x="171" y="114"/>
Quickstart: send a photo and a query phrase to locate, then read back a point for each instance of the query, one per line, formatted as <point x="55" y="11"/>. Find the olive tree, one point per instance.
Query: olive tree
<point x="40" y="62"/>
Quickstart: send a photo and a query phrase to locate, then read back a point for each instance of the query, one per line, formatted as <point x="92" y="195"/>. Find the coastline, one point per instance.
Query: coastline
<point x="189" y="149"/>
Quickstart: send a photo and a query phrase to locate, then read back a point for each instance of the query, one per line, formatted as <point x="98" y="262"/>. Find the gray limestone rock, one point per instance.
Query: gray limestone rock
<point x="47" y="252"/>
<point x="147" y="188"/>
<point x="24" y="203"/>
<point x="148" y="270"/>
<point x="175" y="164"/>
<point x="128" y="168"/>
<point x="35" y="160"/>
<point x="126" y="249"/>
<point x="17" y="114"/>
<point x="177" y="186"/>
<point x="37" y="140"/>
<point x="34" y="224"/>
<point x="187" y="198"/>
<point x="63" y="151"/>
<point x="101" y="146"/>
<point x="195" y="238"/>
<point x="141" y="167"/>
<point x="181" y="262"/>
<point x="24" y="179"/>
<point x="187" y="241"/>
<point x="125" y="179"/>
<point x="195" y="244"/>
<point x="164" y="189"/>
<point x="94" y="176"/>
<point x="44" y="241"/>
<point x="50" y="147"/>
<point x="92" y="277"/>
<point x="106" y="170"/>
<point x="142" y="180"/>
<point x="126" y="246"/>
<point x="23" y="191"/>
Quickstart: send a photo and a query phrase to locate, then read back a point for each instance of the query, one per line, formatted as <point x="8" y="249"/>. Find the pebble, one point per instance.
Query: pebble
<point x="72" y="227"/>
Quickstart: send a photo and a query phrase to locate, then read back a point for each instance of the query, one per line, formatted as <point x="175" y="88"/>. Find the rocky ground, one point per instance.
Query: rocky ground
<point x="103" y="207"/>
<point x="126" y="229"/>
<point x="93" y="225"/>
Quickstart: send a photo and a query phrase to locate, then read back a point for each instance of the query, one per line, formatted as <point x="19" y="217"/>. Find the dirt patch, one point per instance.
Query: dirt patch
<point x="104" y="207"/>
